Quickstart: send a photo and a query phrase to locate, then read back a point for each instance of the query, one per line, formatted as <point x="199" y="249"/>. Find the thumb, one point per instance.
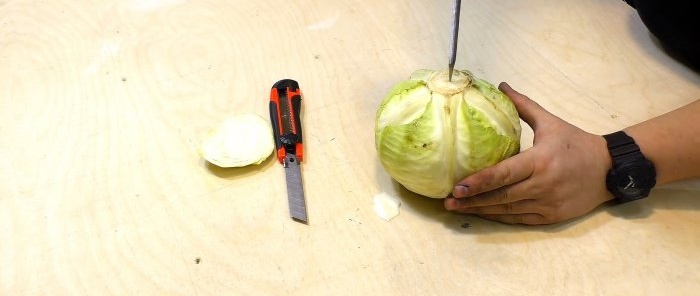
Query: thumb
<point x="531" y="112"/>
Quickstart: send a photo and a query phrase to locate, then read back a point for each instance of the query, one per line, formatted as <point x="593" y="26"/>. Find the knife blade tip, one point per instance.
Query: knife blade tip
<point x="302" y="220"/>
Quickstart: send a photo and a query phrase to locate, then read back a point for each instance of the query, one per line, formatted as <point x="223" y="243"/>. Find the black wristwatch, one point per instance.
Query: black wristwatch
<point x="632" y="175"/>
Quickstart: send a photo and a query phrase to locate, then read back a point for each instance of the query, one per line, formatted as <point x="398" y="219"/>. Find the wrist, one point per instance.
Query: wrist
<point x="604" y="164"/>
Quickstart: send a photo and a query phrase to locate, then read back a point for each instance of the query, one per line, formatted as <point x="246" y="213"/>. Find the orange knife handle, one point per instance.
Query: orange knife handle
<point x="285" y="117"/>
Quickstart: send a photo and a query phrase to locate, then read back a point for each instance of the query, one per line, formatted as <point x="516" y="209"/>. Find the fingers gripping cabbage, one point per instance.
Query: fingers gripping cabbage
<point x="430" y="133"/>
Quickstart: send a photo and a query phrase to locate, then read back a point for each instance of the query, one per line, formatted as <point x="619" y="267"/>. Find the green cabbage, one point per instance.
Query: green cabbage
<point x="430" y="132"/>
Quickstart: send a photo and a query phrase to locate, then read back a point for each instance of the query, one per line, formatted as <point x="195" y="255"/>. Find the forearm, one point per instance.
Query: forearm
<point x="672" y="142"/>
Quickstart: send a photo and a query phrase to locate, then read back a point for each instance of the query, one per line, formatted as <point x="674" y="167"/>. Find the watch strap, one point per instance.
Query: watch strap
<point x="626" y="154"/>
<point x="619" y="144"/>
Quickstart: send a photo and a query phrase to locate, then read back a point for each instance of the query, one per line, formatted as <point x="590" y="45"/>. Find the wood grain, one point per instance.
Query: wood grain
<point x="103" y="105"/>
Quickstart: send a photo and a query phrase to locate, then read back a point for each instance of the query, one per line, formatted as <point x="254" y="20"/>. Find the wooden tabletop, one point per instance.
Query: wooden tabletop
<point x="103" y="105"/>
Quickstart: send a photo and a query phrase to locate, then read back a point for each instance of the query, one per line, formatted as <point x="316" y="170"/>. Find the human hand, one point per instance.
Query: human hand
<point x="561" y="177"/>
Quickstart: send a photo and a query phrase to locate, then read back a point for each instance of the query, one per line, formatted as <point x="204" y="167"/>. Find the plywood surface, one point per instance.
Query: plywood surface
<point x="103" y="105"/>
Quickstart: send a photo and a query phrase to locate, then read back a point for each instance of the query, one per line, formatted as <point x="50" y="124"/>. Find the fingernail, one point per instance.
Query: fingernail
<point x="460" y="191"/>
<point x="504" y="86"/>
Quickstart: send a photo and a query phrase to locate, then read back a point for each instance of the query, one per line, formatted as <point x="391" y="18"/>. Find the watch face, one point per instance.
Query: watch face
<point x="634" y="181"/>
<point x="631" y="184"/>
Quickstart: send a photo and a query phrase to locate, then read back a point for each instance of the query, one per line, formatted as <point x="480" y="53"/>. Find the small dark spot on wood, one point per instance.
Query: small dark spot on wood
<point x="613" y="116"/>
<point x="358" y="222"/>
<point x="318" y="56"/>
<point x="197" y="260"/>
<point x="123" y="79"/>
<point x="466" y="225"/>
<point x="425" y="145"/>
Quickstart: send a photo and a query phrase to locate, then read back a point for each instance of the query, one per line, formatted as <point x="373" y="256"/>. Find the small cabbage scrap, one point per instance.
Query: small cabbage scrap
<point x="240" y="140"/>
<point x="430" y="132"/>
<point x="386" y="206"/>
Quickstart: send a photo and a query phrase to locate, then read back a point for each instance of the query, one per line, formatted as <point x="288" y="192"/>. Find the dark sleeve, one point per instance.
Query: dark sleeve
<point x="676" y="24"/>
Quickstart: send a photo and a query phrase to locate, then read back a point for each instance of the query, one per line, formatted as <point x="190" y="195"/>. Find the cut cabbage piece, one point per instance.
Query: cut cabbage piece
<point x="240" y="140"/>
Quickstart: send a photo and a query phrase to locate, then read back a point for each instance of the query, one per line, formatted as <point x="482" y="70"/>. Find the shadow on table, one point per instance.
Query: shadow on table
<point x="433" y="209"/>
<point x="495" y="232"/>
<point x="666" y="198"/>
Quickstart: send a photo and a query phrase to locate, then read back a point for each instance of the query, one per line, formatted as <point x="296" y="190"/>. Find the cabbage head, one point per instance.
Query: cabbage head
<point x="430" y="133"/>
